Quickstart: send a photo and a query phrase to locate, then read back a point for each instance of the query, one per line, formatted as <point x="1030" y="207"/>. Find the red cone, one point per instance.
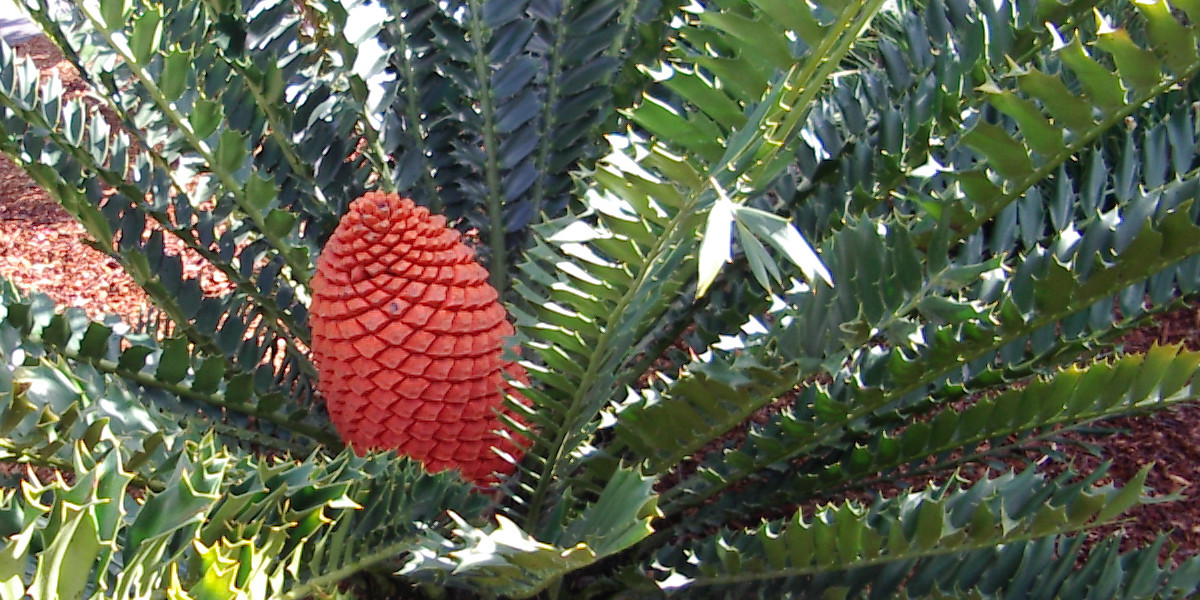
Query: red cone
<point x="407" y="336"/>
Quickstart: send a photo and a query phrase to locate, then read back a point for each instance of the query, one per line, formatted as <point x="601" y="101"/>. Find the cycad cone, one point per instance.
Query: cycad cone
<point x="407" y="335"/>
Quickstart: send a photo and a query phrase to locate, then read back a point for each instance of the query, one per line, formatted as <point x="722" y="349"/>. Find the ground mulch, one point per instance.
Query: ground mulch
<point x="1168" y="439"/>
<point x="43" y="249"/>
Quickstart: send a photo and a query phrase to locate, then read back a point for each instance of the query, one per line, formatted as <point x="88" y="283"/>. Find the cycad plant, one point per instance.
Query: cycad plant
<point x="782" y="273"/>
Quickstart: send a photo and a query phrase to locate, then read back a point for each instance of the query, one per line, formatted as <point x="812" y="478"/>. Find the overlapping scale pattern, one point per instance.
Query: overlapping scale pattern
<point x="407" y="336"/>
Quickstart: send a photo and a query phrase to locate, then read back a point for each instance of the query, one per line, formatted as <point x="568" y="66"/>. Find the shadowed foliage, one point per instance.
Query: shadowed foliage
<point x="780" y="274"/>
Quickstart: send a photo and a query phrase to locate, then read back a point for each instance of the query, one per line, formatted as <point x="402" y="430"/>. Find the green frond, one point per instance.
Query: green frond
<point x="568" y="275"/>
<point x="1041" y="569"/>
<point x="494" y="102"/>
<point x="217" y="131"/>
<point x="168" y="375"/>
<point x="718" y="391"/>
<point x="47" y="407"/>
<point x="876" y="156"/>
<point x="1053" y="116"/>
<point x="706" y="401"/>
<point x="632" y="253"/>
<point x="1071" y="397"/>
<point x="886" y="136"/>
<point x="822" y="249"/>
<point x="737" y="86"/>
<point x="716" y="397"/>
<point x="1041" y="288"/>
<point x="504" y="560"/>
<point x="222" y="165"/>
<point x="217" y="524"/>
<point x="857" y="548"/>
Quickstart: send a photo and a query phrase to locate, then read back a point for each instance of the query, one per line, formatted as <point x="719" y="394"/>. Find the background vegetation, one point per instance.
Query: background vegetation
<point x="762" y="256"/>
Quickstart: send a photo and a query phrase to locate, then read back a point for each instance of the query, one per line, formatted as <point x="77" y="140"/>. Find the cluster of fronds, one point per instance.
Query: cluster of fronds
<point x="808" y="257"/>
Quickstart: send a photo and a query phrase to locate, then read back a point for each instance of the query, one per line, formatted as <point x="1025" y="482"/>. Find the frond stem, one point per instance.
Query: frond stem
<point x="498" y="257"/>
<point x="412" y="110"/>
<point x="549" y="112"/>
<point x="564" y="436"/>
<point x="217" y="399"/>
<point x="361" y="563"/>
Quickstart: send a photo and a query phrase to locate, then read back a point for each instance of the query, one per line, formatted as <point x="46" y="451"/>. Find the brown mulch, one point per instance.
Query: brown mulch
<point x="1168" y="439"/>
<point x="43" y="249"/>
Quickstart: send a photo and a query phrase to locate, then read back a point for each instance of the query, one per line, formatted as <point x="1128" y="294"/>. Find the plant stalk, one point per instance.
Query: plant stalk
<point x="498" y="254"/>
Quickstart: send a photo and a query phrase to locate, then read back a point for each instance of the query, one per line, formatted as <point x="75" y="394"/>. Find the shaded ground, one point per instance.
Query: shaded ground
<point x="1170" y="439"/>
<point x="43" y="249"/>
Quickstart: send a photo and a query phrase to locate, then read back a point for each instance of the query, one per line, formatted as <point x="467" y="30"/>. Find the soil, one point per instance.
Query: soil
<point x="43" y="249"/>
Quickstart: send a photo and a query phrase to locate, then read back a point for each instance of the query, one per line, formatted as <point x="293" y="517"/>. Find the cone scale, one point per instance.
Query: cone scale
<point x="407" y="336"/>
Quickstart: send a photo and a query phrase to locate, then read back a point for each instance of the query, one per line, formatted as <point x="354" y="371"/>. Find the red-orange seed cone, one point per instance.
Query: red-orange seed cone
<point x="407" y="336"/>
